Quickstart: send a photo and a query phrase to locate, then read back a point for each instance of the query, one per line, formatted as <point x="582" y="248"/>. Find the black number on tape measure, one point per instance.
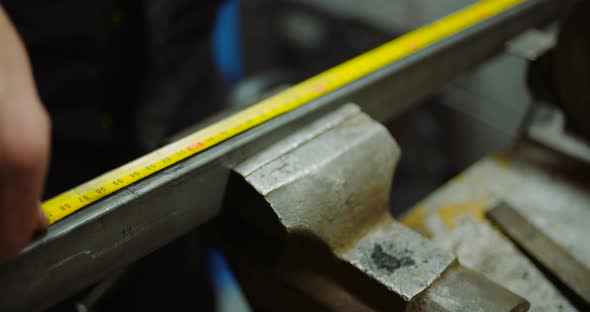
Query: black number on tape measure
<point x="83" y="198"/>
<point x="118" y="182"/>
<point x="64" y="207"/>
<point x="150" y="167"/>
<point x="101" y="190"/>
<point x="134" y="174"/>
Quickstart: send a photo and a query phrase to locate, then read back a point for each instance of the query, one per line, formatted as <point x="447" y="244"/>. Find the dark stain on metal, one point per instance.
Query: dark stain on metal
<point x="387" y="262"/>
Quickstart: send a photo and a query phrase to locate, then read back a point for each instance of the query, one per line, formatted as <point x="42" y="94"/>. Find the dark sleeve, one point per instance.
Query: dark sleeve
<point x="65" y="42"/>
<point x="117" y="76"/>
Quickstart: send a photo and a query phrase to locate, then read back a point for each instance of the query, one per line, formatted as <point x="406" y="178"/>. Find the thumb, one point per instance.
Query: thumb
<point x="42" y="220"/>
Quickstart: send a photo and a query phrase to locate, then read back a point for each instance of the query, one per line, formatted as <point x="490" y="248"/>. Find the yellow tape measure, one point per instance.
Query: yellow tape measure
<point x="66" y="203"/>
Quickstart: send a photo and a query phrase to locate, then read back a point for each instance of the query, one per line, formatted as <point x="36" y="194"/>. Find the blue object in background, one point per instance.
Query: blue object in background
<point x="227" y="50"/>
<point x="227" y="55"/>
<point x="228" y="295"/>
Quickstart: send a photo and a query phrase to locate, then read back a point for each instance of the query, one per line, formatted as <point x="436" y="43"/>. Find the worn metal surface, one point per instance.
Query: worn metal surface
<point x="481" y="247"/>
<point x="332" y="189"/>
<point x="460" y="289"/>
<point x="351" y="164"/>
<point x="552" y="256"/>
<point x="545" y="185"/>
<point x="129" y="224"/>
<point x="336" y="188"/>
<point x="399" y="258"/>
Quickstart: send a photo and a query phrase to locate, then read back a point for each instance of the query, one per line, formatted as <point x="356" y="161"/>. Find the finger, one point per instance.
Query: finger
<point x="42" y="220"/>
<point x="16" y="213"/>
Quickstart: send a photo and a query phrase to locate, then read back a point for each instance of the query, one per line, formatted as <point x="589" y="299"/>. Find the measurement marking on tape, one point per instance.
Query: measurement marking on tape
<point x="66" y="203"/>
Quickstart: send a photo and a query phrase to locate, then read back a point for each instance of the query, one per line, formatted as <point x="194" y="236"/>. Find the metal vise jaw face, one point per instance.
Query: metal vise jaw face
<point x="306" y="225"/>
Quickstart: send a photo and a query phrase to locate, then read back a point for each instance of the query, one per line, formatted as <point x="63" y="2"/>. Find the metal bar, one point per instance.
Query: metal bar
<point x="129" y="224"/>
<point x="553" y="257"/>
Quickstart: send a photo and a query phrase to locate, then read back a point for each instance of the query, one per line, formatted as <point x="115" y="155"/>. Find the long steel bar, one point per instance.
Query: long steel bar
<point x="129" y="224"/>
<point x="551" y="255"/>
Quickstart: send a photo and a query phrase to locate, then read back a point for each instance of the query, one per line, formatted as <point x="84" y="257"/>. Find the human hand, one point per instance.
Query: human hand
<point x="24" y="146"/>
